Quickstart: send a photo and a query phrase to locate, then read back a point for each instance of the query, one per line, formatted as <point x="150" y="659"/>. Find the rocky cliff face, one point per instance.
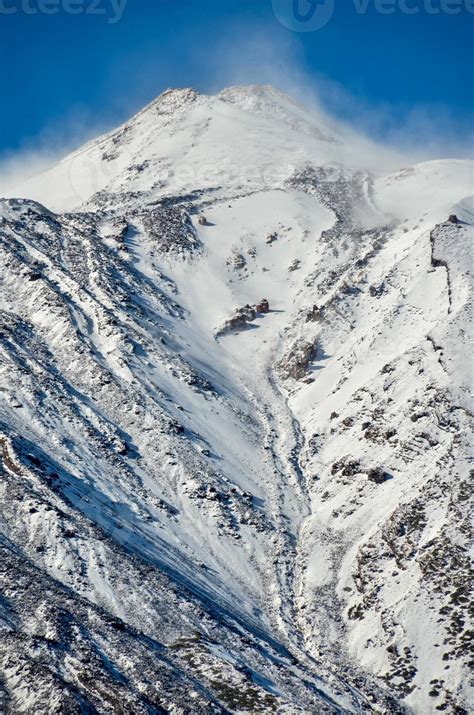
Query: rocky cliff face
<point x="266" y="517"/>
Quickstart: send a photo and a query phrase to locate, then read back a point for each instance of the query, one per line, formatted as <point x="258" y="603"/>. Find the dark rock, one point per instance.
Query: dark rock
<point x="171" y="230"/>
<point x="118" y="625"/>
<point x="296" y="363"/>
<point x="237" y="262"/>
<point x="348" y="289"/>
<point x="350" y="468"/>
<point x="418" y="416"/>
<point x="239" y="321"/>
<point x="315" y="314"/>
<point x="177" y="428"/>
<point x="347" y="467"/>
<point x="263" y="306"/>
<point x="372" y="433"/>
<point x="378" y="476"/>
<point x="295" y="266"/>
<point x="243" y="316"/>
<point x="377" y="291"/>
<point x="122" y="448"/>
<point x="356" y="613"/>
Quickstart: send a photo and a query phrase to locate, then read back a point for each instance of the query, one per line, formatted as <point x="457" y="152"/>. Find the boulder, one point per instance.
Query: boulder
<point x="378" y="475"/>
<point x="453" y="219"/>
<point x="237" y="261"/>
<point x="315" y="314"/>
<point x="377" y="291"/>
<point x="296" y="363"/>
<point x="242" y="317"/>
<point x="238" y="321"/>
<point x="263" y="306"/>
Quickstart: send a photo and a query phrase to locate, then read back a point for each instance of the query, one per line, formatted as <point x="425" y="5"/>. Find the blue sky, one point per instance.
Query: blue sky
<point x="71" y="75"/>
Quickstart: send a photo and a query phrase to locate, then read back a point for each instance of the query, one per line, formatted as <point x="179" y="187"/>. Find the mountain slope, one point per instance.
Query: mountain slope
<point x="264" y="505"/>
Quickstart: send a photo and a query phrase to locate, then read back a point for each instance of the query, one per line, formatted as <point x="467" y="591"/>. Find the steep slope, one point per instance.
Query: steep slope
<point x="261" y="505"/>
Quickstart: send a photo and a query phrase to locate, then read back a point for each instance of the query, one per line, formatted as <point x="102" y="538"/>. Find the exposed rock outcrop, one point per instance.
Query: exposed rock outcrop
<point x="296" y="363"/>
<point x="243" y="318"/>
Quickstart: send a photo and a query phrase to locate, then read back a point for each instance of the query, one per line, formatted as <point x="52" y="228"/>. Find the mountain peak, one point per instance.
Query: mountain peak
<point x="185" y="140"/>
<point x="236" y="395"/>
<point x="170" y="100"/>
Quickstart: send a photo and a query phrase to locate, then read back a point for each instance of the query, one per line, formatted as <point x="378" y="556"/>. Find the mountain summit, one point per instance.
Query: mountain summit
<point x="184" y="139"/>
<point x="234" y="420"/>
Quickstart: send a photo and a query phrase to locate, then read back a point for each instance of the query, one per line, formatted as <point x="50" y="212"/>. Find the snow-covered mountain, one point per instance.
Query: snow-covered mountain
<point x="234" y="421"/>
